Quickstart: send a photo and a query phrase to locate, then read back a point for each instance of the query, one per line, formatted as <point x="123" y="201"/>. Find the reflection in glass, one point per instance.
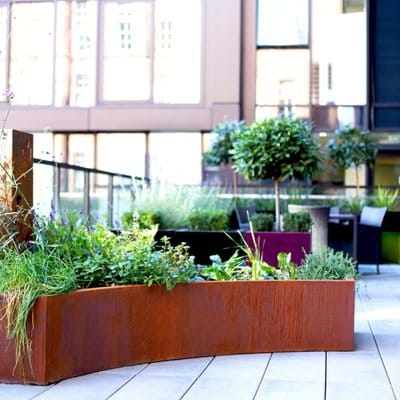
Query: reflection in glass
<point x="31" y="55"/>
<point x="177" y="51"/>
<point x="282" y="22"/>
<point x="3" y="49"/>
<point x="127" y="50"/>
<point x="76" y="53"/>
<point x="283" y="77"/>
<point x="175" y="157"/>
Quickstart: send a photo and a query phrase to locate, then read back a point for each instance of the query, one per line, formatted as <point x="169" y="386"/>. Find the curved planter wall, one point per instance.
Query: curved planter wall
<point x="96" y="329"/>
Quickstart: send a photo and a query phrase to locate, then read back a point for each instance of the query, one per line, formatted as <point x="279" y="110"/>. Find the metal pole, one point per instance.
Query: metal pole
<point x="110" y="201"/>
<point x="86" y="194"/>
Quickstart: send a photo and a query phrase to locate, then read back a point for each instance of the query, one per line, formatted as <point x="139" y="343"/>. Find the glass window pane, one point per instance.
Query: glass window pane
<point x="81" y="150"/>
<point x="282" y="22"/>
<point x="175" y="157"/>
<point x="122" y="153"/>
<point x="177" y="67"/>
<point x="127" y="50"/>
<point x="31" y="61"/>
<point x="3" y="49"/>
<point x="350" y="6"/>
<point x="283" y="77"/>
<point x="338" y="38"/>
<point x="76" y="53"/>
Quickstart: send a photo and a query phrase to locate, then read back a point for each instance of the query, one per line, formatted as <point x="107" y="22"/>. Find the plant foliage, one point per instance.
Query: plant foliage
<point x="297" y="222"/>
<point x="209" y="220"/>
<point x="262" y="222"/>
<point x="386" y="198"/>
<point x="327" y="264"/>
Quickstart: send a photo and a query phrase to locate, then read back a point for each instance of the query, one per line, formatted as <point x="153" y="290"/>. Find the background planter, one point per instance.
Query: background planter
<point x="96" y="329"/>
<point x="204" y="244"/>
<point x="272" y="243"/>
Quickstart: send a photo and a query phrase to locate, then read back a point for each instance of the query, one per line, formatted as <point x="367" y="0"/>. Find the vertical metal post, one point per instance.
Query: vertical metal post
<point x="110" y="201"/>
<point x="86" y="194"/>
<point x="57" y="189"/>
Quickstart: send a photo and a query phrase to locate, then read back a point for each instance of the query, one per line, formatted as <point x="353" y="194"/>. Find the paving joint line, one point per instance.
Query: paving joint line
<point x="262" y="377"/>
<point x="129" y="380"/>
<point x="378" y="350"/>
<point x="198" y="377"/>
<point x="326" y="375"/>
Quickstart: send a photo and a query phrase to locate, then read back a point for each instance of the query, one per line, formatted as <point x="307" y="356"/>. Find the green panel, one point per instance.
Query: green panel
<point x="391" y="247"/>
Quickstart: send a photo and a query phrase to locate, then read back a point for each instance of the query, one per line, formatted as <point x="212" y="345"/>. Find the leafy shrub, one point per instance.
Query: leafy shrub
<point x="209" y="220"/>
<point x="297" y="222"/>
<point x="262" y="222"/>
<point x="233" y="269"/>
<point x="386" y="198"/>
<point x="353" y="205"/>
<point x="146" y="219"/>
<point x="174" y="203"/>
<point x="327" y="264"/>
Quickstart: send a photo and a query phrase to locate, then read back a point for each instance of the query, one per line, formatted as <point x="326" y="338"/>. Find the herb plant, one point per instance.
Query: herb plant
<point x="147" y="219"/>
<point x="327" y="264"/>
<point x="386" y="198"/>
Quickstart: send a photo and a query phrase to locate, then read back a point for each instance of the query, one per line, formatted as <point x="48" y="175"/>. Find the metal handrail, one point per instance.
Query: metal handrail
<point x="58" y="166"/>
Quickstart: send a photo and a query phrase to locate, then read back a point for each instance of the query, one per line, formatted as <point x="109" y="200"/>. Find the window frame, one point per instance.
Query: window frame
<point x="286" y="46"/>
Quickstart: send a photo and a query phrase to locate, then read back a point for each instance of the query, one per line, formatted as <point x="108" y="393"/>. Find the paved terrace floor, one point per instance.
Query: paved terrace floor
<point x="371" y="372"/>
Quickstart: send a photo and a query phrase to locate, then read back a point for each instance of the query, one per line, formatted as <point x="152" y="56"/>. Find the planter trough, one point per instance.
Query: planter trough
<point x="96" y="329"/>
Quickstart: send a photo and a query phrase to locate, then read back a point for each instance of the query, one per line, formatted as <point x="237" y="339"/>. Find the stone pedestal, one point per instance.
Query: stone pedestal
<point x="319" y="228"/>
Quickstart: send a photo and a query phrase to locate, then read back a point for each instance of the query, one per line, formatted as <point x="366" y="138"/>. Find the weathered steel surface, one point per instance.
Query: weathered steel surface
<point x="96" y="329"/>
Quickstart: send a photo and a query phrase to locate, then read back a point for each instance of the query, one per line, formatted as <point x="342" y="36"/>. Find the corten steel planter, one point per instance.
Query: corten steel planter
<point x="272" y="243"/>
<point x="96" y="329"/>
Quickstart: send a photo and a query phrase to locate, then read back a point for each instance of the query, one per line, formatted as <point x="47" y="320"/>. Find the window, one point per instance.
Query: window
<point x="283" y="22"/>
<point x="175" y="157"/>
<point x="31" y="55"/>
<point x="283" y="77"/>
<point x="177" y="51"/>
<point x="123" y="153"/>
<point x="350" y="6"/>
<point x="76" y="47"/>
<point x="3" y="49"/>
<point x="127" y="51"/>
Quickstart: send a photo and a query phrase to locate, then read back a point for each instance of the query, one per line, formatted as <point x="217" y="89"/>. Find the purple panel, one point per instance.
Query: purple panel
<point x="272" y="243"/>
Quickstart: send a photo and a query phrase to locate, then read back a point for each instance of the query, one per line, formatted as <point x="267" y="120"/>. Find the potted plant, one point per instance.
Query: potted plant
<point x="65" y="299"/>
<point x="353" y="147"/>
<point x="220" y="151"/>
<point x="208" y="233"/>
<point x="277" y="149"/>
<point x="295" y="238"/>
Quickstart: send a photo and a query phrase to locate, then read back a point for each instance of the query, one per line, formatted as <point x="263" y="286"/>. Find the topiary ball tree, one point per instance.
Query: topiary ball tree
<point x="277" y="149"/>
<point x="353" y="147"/>
<point x="222" y="145"/>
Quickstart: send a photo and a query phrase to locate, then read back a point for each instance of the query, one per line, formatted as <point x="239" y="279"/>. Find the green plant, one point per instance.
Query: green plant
<point x="146" y="219"/>
<point x="277" y="149"/>
<point x="232" y="269"/>
<point x="353" y="205"/>
<point x="352" y="147"/>
<point x="174" y="203"/>
<point x="297" y="222"/>
<point x="209" y="220"/>
<point x="327" y="264"/>
<point x="220" y="150"/>
<point x="262" y="222"/>
<point x="23" y="278"/>
<point x="386" y="198"/>
<point x="287" y="268"/>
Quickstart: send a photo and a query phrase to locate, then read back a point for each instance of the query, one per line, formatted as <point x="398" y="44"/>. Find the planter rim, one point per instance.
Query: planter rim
<point x="209" y="283"/>
<point x="281" y="233"/>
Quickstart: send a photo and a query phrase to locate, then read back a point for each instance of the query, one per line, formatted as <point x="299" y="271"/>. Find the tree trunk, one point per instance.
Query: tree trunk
<point x="277" y="205"/>
<point x="235" y="186"/>
<point x="357" y="183"/>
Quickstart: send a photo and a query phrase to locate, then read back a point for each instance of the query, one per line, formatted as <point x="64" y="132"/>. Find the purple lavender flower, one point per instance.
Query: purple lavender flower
<point x="8" y="94"/>
<point x="53" y="211"/>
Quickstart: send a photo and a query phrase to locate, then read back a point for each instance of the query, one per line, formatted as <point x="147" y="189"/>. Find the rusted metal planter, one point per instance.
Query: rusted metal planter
<point x="97" y="329"/>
